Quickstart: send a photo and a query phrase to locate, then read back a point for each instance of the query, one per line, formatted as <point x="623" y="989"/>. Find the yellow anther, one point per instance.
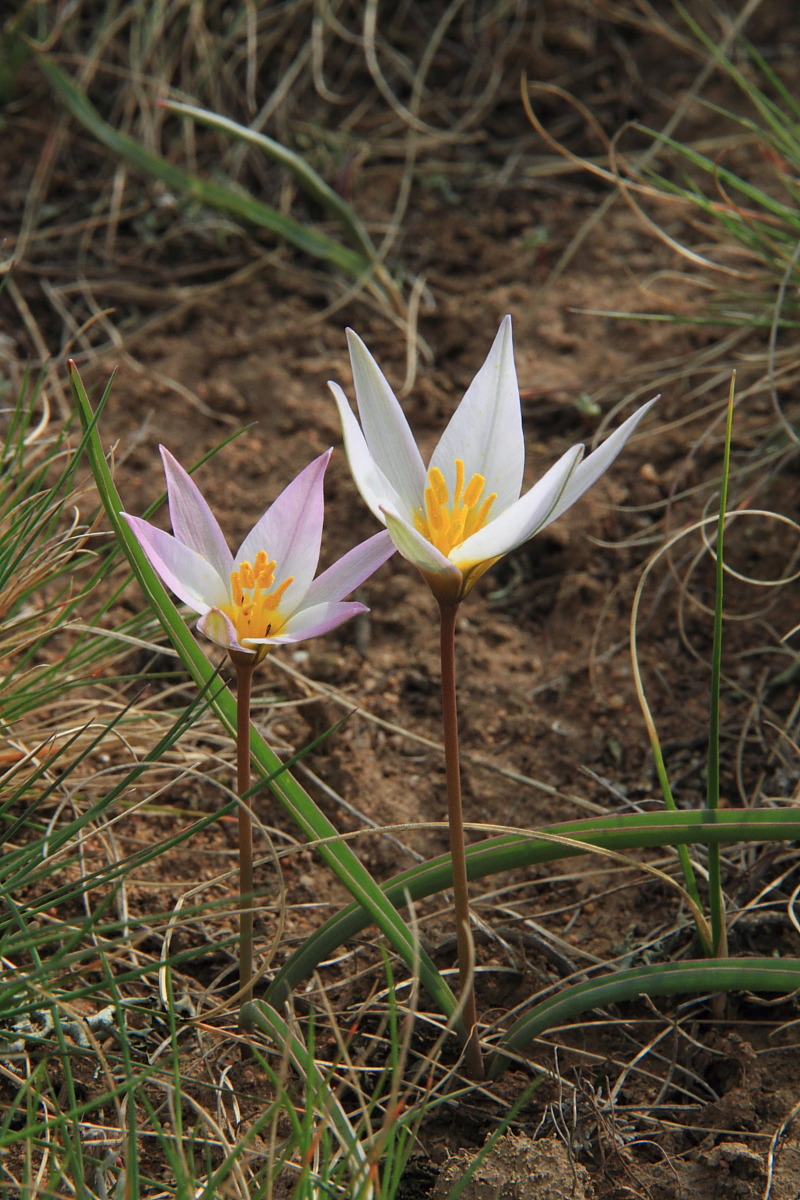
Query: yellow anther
<point x="272" y="601"/>
<point x="483" y="512"/>
<point x="474" y="491"/>
<point x="438" y="487"/>
<point x="253" y="606"/>
<point x="264" y="570"/>
<point x="459" y="481"/>
<point x="445" y="522"/>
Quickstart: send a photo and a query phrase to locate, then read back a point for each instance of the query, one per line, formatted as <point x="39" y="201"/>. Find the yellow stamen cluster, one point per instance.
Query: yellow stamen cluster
<point x="255" y="608"/>
<point x="447" y="523"/>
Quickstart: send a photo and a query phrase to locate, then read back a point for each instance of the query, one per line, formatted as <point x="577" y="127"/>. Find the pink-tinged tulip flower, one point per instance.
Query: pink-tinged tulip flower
<point x="456" y="518"/>
<point x="266" y="594"/>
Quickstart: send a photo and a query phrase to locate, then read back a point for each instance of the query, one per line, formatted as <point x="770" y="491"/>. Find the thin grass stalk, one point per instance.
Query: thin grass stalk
<point x="322" y="1098"/>
<point x="126" y="1103"/>
<point x="655" y="743"/>
<point x="452" y="762"/>
<point x="716" y="899"/>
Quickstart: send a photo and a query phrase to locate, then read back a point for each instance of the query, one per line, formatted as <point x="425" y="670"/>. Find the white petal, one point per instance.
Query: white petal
<point x="193" y="522"/>
<point x="386" y="430"/>
<point x="590" y="470"/>
<point x="185" y="572"/>
<point x="485" y="431"/>
<point x="375" y="488"/>
<point x="349" y="572"/>
<point x="418" y="550"/>
<point x="523" y="519"/>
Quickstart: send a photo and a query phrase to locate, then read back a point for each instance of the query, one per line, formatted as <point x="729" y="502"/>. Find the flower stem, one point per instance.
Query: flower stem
<point x="244" y="679"/>
<point x="466" y="958"/>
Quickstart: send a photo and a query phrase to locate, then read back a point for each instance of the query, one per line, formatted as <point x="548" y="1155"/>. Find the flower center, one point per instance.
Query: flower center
<point x="445" y="522"/>
<point x="255" y="603"/>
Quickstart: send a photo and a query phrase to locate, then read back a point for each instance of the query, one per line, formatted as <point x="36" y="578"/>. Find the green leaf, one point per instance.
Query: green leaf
<point x="240" y="204"/>
<point x="312" y="183"/>
<point x="666" y="979"/>
<point x="511" y="851"/>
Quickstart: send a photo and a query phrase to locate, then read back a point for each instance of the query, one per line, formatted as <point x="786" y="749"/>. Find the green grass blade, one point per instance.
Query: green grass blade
<point x="729" y="178"/>
<point x="295" y="800"/>
<point x="241" y="205"/>
<point x="311" y="183"/>
<point x="512" y="851"/>
<point x="791" y="115"/>
<point x="769" y="110"/>
<point x="302" y="1058"/>
<point x="665" y="979"/>
<point x="715" y="895"/>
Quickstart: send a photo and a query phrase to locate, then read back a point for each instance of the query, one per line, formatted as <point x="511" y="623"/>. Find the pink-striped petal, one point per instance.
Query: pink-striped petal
<point x="344" y="576"/>
<point x="290" y="531"/>
<point x="311" y="622"/>
<point x="190" y="576"/>
<point x="193" y="522"/>
<point x="219" y="628"/>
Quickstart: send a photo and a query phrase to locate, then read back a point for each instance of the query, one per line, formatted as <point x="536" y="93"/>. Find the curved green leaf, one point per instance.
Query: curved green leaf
<point x="215" y="195"/>
<point x="666" y="979"/>
<point x="510" y="851"/>
<point x="312" y="183"/>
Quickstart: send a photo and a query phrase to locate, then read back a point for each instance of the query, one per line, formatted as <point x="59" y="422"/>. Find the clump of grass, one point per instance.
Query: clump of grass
<point x="725" y="204"/>
<point x="734" y="194"/>
<point x="306" y="91"/>
<point x="81" y="753"/>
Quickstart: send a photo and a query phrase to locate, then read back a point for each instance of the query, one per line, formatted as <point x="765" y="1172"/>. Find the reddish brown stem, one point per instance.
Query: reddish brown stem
<point x="466" y="959"/>
<point x="244" y="679"/>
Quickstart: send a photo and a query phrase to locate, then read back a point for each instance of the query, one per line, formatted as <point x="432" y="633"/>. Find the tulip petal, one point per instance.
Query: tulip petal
<point x="290" y="531"/>
<point x="386" y="430"/>
<point x="485" y="431"/>
<point x="376" y="490"/>
<point x="193" y="522"/>
<point x="523" y="519"/>
<point x="419" y="551"/>
<point x="590" y="470"/>
<point x="190" y="576"/>
<point x="219" y="628"/>
<point x="311" y="622"/>
<point x="344" y="576"/>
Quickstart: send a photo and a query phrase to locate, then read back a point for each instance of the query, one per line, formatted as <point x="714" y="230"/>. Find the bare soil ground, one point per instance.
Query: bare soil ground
<point x="656" y="1101"/>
